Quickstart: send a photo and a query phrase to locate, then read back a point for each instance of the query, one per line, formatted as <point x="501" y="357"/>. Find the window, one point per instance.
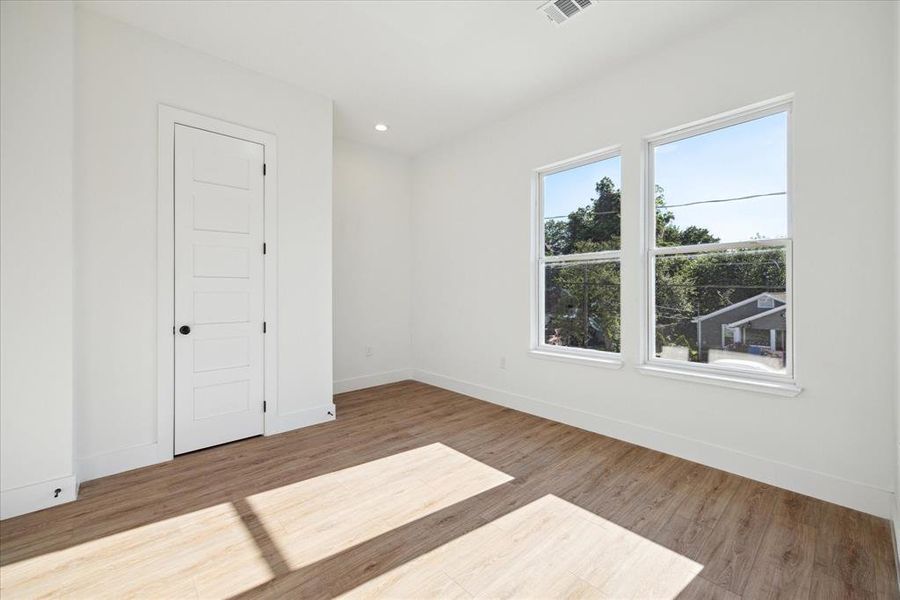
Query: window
<point x="578" y="251"/>
<point x="719" y="247"/>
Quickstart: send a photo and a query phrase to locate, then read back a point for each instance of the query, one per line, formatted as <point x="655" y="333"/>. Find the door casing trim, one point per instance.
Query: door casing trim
<point x="168" y="117"/>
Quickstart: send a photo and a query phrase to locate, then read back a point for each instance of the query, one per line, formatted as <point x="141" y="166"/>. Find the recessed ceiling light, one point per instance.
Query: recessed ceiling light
<point x="381" y="127"/>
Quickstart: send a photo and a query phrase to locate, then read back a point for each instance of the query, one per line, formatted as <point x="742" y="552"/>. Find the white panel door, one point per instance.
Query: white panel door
<point x="219" y="200"/>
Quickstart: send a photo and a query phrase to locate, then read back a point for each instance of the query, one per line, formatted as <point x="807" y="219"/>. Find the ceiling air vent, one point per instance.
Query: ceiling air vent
<point x="560" y="11"/>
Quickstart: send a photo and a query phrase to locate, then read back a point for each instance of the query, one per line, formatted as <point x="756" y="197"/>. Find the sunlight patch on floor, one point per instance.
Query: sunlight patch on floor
<point x="313" y="519"/>
<point x="230" y="548"/>
<point x="549" y="548"/>
<point x="209" y="552"/>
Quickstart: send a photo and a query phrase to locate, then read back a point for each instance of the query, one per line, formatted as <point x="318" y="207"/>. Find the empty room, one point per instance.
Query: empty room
<point x="444" y="299"/>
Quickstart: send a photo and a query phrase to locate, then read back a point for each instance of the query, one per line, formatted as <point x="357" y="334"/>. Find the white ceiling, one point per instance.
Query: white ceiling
<point x="430" y="69"/>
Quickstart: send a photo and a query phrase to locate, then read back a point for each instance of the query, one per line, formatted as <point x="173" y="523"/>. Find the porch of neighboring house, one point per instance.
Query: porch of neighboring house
<point x="752" y="332"/>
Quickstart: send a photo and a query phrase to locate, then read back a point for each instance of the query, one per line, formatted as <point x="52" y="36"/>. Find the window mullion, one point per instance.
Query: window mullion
<point x="606" y="255"/>
<point x="719" y="247"/>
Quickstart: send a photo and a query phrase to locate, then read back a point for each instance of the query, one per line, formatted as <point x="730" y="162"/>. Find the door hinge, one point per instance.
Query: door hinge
<point x="264" y="326"/>
<point x="264" y="406"/>
<point x="173" y="330"/>
<point x="264" y="247"/>
<point x="264" y="169"/>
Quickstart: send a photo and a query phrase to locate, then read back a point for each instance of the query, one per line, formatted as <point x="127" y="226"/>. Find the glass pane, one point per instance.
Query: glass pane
<point x="582" y="208"/>
<point x="581" y="305"/>
<point x="723" y="308"/>
<point x="727" y="185"/>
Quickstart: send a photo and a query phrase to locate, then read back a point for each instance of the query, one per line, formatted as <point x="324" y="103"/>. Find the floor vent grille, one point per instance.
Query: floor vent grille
<point x="560" y="11"/>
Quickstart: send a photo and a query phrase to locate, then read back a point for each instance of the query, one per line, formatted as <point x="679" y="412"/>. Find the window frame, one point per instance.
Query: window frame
<point x="784" y="384"/>
<point x="539" y="261"/>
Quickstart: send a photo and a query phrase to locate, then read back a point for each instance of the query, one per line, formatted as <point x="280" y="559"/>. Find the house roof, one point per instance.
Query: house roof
<point x="758" y="316"/>
<point x="778" y="296"/>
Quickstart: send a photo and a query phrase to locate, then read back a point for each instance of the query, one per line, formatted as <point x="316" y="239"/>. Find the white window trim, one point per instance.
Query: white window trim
<point x="786" y="384"/>
<point x="540" y="349"/>
<point x="579" y="356"/>
<point x="729" y="380"/>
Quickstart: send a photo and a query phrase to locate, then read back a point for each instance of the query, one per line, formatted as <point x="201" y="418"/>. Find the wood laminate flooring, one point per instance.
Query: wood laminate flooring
<point x="418" y="492"/>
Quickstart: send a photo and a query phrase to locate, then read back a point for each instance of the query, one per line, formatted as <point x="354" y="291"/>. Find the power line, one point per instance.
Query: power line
<point x="771" y="288"/>
<point x="722" y="200"/>
<point x="605" y="212"/>
<point x="715" y="201"/>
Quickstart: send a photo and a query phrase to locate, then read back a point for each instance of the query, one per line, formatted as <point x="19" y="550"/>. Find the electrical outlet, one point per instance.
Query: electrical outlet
<point x="503" y="362"/>
<point x="370" y="350"/>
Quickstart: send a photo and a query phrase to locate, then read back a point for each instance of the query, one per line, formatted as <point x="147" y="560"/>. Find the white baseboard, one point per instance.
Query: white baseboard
<point x="118" y="461"/>
<point x="367" y="381"/>
<point x="301" y="418"/>
<point x="38" y="496"/>
<point x="895" y="536"/>
<point x="852" y="494"/>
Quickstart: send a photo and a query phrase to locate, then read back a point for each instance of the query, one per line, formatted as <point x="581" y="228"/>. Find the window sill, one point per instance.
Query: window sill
<point x="606" y="362"/>
<point x="734" y="381"/>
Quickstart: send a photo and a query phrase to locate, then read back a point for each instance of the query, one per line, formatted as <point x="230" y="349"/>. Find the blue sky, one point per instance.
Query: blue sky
<point x="741" y="160"/>
<point x="568" y="190"/>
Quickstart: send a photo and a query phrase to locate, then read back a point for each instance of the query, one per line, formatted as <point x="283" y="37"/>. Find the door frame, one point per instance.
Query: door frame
<point x="169" y="117"/>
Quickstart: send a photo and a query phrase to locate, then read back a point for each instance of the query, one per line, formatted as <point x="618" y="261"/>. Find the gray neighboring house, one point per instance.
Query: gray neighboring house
<point x="757" y="322"/>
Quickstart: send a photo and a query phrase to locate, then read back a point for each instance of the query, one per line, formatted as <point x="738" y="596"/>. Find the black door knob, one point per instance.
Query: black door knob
<point x="184" y="330"/>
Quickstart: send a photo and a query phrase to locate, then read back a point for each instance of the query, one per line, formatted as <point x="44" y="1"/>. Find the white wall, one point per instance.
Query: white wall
<point x="36" y="122"/>
<point x="372" y="190"/>
<point x="471" y="228"/>
<point x="123" y="74"/>
<point x="897" y="264"/>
